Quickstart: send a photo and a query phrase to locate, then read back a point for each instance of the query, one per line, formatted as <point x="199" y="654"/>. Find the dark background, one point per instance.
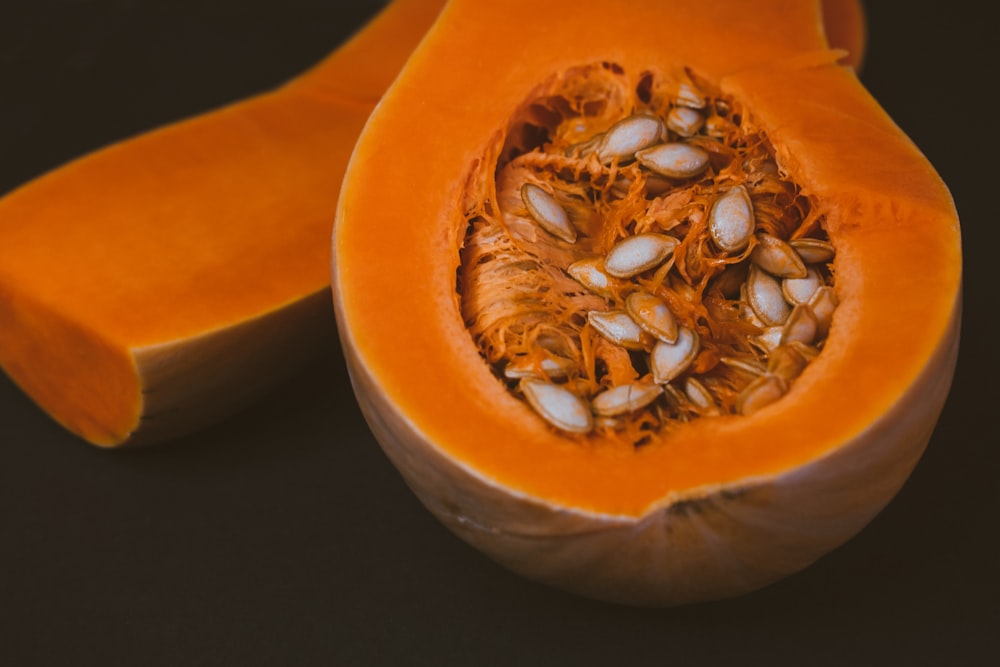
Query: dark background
<point x="284" y="537"/>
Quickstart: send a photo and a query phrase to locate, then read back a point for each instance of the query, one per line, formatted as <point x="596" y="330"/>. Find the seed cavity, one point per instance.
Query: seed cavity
<point x="636" y="257"/>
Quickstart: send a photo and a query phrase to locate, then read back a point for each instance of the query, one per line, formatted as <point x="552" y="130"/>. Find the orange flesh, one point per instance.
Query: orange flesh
<point x="893" y="224"/>
<point x="183" y="231"/>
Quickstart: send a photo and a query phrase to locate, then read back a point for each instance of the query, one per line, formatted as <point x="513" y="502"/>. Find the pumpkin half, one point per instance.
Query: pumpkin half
<point x="154" y="286"/>
<point x="516" y="364"/>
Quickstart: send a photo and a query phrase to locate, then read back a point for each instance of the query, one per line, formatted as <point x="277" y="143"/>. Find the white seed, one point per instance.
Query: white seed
<point x="787" y="362"/>
<point x="801" y="290"/>
<point x="550" y="367"/>
<point x="747" y="365"/>
<point x="761" y="392"/>
<point x="698" y="394"/>
<point x="653" y="315"/>
<point x="717" y="126"/>
<point x="630" y="135"/>
<point x="626" y="398"/>
<point x="822" y="304"/>
<point x="801" y="326"/>
<point x="765" y="297"/>
<point x="731" y="220"/>
<point x="668" y="360"/>
<point x="777" y="258"/>
<point x="635" y="254"/>
<point x="558" y="406"/>
<point x="675" y="160"/>
<point x="685" y="121"/>
<point x="689" y="96"/>
<point x="768" y="339"/>
<point x="808" y="352"/>
<point x="617" y="327"/>
<point x="813" y="251"/>
<point x="547" y="212"/>
<point x="590" y="273"/>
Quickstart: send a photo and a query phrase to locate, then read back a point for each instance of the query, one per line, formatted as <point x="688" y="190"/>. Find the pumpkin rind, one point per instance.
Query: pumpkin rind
<point x="721" y="506"/>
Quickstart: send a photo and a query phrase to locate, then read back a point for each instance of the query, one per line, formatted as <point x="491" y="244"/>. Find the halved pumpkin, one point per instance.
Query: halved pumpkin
<point x="506" y="115"/>
<point x="157" y="285"/>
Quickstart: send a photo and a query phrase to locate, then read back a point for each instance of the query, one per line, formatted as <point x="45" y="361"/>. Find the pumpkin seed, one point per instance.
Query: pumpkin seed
<point x="813" y="251"/>
<point x="653" y="315"/>
<point x="808" y="352"/>
<point x="747" y="365"/>
<point x="630" y="135"/>
<point x="547" y="212"/>
<point x="626" y="398"/>
<point x="668" y="360"/>
<point x="675" y="160"/>
<point x="558" y="406"/>
<point x="699" y="394"/>
<point x="768" y="339"/>
<point x="689" y="96"/>
<point x="635" y="254"/>
<point x="801" y="325"/>
<point x="823" y="302"/>
<point x="787" y="362"/>
<point x="590" y="273"/>
<point x="619" y="328"/>
<point x="717" y="126"/>
<point x="685" y="121"/>
<point x="731" y="220"/>
<point x="777" y="258"/>
<point x="760" y="393"/>
<point x="801" y="290"/>
<point x="765" y="297"/>
<point x="554" y="368"/>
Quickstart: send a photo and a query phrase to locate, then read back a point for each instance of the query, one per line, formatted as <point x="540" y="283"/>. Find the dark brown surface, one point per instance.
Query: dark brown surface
<point x="284" y="537"/>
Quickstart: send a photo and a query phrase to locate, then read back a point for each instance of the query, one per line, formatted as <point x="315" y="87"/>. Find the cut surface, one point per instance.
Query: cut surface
<point x="890" y="220"/>
<point x="121" y="263"/>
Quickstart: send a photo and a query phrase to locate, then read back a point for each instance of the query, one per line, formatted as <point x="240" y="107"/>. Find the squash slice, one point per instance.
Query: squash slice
<point x="159" y="284"/>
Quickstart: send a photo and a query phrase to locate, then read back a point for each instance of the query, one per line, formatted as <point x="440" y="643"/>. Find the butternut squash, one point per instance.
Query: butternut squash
<point x="577" y="331"/>
<point x="154" y="286"/>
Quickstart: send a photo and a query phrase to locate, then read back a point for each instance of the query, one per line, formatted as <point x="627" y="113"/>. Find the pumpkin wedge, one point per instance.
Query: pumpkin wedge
<point x="668" y="306"/>
<point x="157" y="285"/>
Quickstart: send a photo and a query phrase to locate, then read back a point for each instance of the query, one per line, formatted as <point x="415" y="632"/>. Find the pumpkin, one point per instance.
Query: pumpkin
<point x="536" y="210"/>
<point x="154" y="286"/>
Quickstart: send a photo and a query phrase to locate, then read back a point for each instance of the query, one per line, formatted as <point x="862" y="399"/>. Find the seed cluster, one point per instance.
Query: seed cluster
<point x="637" y="259"/>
